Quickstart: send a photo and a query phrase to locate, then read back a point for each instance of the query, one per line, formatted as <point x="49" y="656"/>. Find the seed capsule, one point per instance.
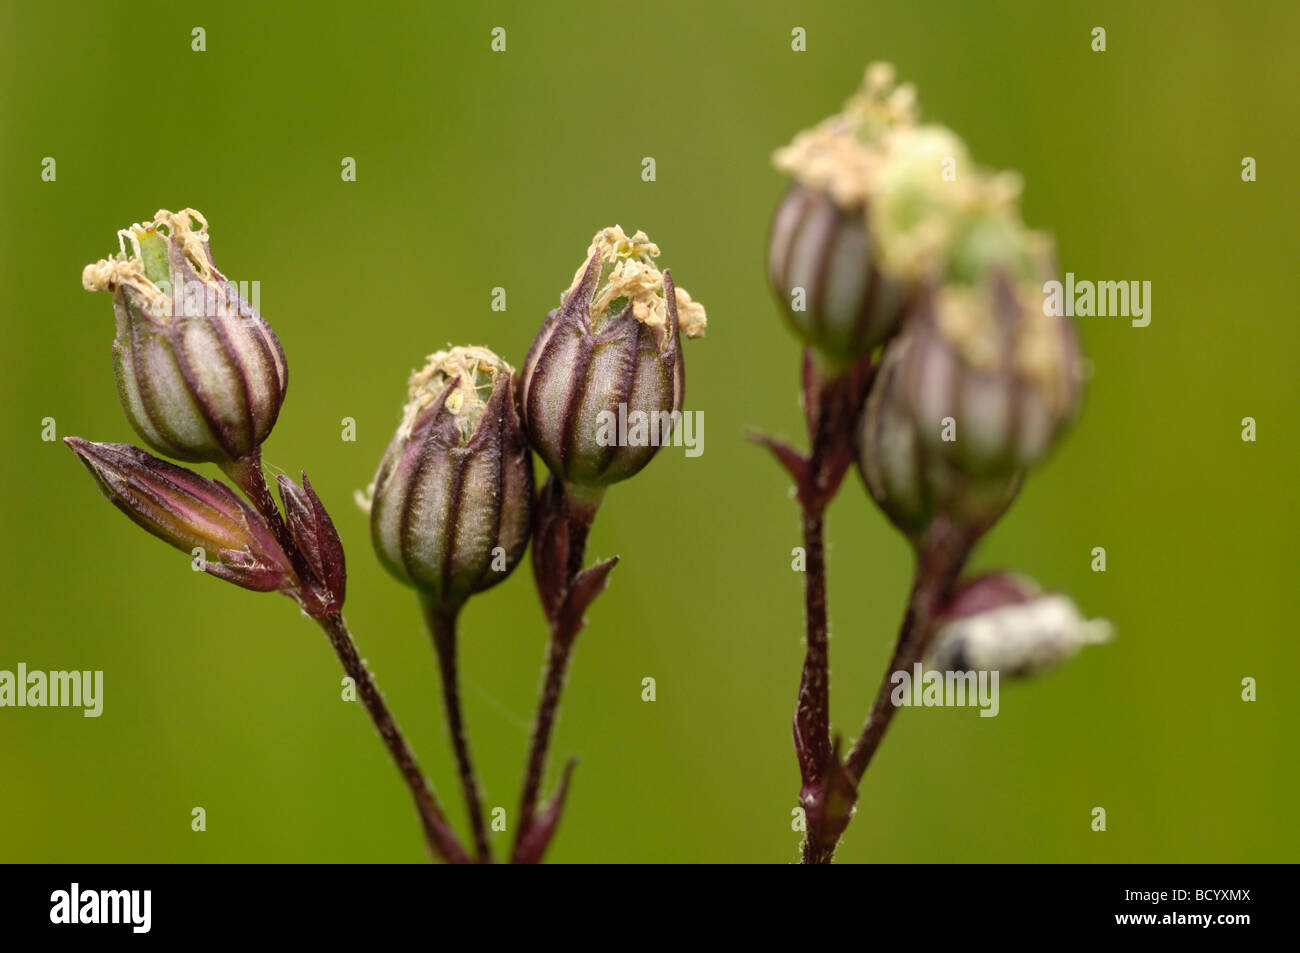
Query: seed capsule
<point x="989" y="380"/>
<point x="602" y="386"/>
<point x="200" y="374"/>
<point x="451" y="503"/>
<point x="823" y="264"/>
<point x="824" y="256"/>
<point x="912" y="483"/>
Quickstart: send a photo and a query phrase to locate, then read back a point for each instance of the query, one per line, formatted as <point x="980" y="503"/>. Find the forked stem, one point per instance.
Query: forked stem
<point x="831" y="405"/>
<point x="563" y="519"/>
<point x="442" y="842"/>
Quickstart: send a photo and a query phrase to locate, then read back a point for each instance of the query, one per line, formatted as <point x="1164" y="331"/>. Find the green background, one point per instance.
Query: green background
<point x="479" y="169"/>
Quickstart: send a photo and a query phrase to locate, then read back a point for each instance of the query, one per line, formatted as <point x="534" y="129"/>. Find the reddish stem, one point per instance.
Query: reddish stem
<point x="563" y="520"/>
<point x="247" y="474"/>
<point x="940" y="556"/>
<point x="548" y="706"/>
<point x="831" y="407"/>
<point x="442" y="842"/>
<point x="442" y="626"/>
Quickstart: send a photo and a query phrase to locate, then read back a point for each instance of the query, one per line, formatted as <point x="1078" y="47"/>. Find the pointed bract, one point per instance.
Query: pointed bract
<point x="532" y="846"/>
<point x="314" y="534"/>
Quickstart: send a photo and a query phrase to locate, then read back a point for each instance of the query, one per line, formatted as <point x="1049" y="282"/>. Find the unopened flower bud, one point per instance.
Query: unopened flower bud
<point x="1006" y="623"/>
<point x="451" y="502"/>
<point x="602" y="387"/>
<point x="912" y="483"/>
<point x="191" y="513"/>
<point x="200" y="374"/>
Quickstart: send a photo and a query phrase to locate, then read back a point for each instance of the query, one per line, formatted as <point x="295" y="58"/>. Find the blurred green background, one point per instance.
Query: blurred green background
<point x="478" y="169"/>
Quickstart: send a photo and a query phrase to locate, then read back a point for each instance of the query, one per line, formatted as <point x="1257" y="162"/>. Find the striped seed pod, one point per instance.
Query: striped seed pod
<point x="913" y="484"/>
<point x="200" y="374"/>
<point x="823" y="264"/>
<point x="989" y="379"/>
<point x="451" y="502"/>
<point x="601" y="389"/>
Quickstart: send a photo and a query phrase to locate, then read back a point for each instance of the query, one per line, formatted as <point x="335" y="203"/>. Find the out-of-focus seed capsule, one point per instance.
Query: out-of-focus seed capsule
<point x="913" y="484"/>
<point x="824" y="256"/>
<point x="920" y="196"/>
<point x="824" y="267"/>
<point x="990" y="380"/>
<point x="191" y="513"/>
<point x="1006" y="623"/>
<point x="602" y="386"/>
<point x="451" y="502"/>
<point x="200" y="374"/>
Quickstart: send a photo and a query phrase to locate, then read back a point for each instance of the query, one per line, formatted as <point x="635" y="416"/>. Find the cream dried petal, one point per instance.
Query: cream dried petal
<point x="629" y="275"/>
<point x="475" y="370"/>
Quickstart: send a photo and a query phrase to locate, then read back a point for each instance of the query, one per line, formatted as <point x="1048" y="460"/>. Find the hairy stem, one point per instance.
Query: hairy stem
<point x="831" y="407"/>
<point x="563" y="513"/>
<point x="940" y="557"/>
<point x="248" y="476"/>
<point x="442" y="842"/>
<point x="548" y="706"/>
<point x="442" y="626"/>
<point x="812" y="712"/>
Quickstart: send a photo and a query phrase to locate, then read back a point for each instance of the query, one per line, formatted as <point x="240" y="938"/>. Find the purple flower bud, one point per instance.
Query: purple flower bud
<point x="602" y="386"/>
<point x="190" y="512"/>
<point x="313" y="533"/>
<point x="989" y="379"/>
<point x="451" y="503"/>
<point x="200" y="374"/>
<point x="911" y="482"/>
<point x="1006" y="623"/>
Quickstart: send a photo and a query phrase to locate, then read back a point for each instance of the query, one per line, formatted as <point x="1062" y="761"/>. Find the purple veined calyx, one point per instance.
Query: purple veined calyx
<point x="603" y="385"/>
<point x="868" y="203"/>
<point x="200" y="373"/>
<point x="651" y="428"/>
<point x="451" y="502"/>
<point x="909" y="477"/>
